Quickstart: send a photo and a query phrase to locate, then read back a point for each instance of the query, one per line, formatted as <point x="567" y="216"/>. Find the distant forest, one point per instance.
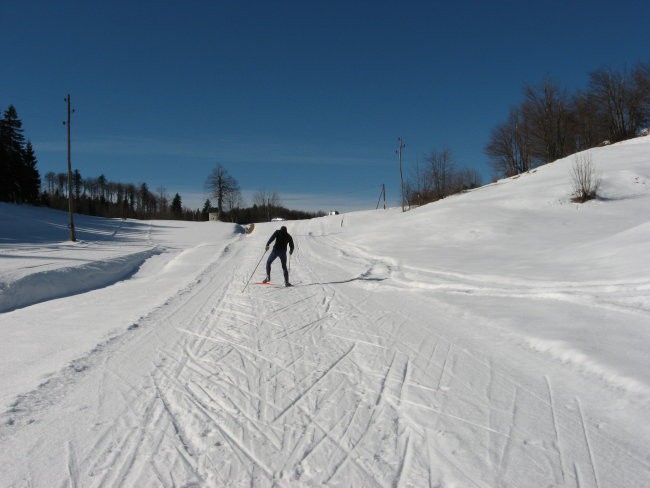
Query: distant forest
<point x="98" y="196"/>
<point x="549" y="124"/>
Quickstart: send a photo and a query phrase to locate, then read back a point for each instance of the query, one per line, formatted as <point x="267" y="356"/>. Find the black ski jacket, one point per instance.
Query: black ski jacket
<point x="282" y="238"/>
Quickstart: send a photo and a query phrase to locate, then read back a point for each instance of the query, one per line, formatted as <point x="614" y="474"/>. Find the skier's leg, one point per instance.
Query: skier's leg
<point x="272" y="257"/>
<point x="283" y="260"/>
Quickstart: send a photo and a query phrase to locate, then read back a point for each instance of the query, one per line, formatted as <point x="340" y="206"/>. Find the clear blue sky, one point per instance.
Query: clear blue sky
<point x="304" y="98"/>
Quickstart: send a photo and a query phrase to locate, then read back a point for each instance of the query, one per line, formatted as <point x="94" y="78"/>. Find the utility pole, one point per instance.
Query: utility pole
<point x="401" y="177"/>
<point x="73" y="237"/>
<point x="382" y="193"/>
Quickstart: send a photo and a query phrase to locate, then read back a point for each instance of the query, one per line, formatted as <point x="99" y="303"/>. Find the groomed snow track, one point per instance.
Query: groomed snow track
<point x="337" y="381"/>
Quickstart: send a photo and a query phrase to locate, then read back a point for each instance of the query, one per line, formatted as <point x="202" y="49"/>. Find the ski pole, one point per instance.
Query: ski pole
<point x="249" y="279"/>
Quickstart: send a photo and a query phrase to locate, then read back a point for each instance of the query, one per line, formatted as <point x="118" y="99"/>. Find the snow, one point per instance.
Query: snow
<point x="495" y="338"/>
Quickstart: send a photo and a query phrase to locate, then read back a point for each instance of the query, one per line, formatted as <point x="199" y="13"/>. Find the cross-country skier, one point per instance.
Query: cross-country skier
<point x="282" y="238"/>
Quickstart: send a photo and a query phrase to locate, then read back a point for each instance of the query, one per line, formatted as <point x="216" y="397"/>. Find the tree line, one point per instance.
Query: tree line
<point x="21" y="183"/>
<point x="103" y="198"/>
<point x="550" y="123"/>
<point x="98" y="196"/>
<point x="437" y="177"/>
<point x="225" y="190"/>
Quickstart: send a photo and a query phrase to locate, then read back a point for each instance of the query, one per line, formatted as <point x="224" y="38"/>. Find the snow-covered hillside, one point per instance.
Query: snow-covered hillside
<point x="496" y="338"/>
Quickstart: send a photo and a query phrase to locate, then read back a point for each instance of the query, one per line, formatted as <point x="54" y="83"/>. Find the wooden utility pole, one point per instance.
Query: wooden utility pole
<point x="73" y="237"/>
<point x="401" y="177"/>
<point x="382" y="193"/>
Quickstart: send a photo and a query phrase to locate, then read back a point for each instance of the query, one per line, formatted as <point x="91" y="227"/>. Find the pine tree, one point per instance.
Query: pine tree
<point x="30" y="181"/>
<point x="205" y="213"/>
<point x="11" y="130"/>
<point x="12" y="147"/>
<point x="76" y="184"/>
<point x="177" y="207"/>
<point x="21" y="181"/>
<point x="5" y="176"/>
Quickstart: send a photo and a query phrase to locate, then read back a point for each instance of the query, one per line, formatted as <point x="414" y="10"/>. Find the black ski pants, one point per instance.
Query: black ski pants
<point x="275" y="253"/>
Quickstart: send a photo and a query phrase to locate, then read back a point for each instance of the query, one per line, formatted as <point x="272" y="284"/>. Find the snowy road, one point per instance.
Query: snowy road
<point x="351" y="378"/>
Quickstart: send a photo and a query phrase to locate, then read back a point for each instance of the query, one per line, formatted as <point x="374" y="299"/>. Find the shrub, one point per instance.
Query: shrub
<point x="585" y="180"/>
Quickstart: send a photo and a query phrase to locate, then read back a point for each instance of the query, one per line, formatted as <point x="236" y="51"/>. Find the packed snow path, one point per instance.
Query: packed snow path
<point x="354" y="377"/>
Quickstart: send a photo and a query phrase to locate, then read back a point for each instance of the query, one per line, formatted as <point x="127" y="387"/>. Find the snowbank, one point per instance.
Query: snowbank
<point x="62" y="282"/>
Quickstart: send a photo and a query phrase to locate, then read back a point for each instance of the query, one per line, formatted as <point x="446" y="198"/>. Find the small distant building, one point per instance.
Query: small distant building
<point x="213" y="216"/>
<point x="277" y="219"/>
<point x="333" y="212"/>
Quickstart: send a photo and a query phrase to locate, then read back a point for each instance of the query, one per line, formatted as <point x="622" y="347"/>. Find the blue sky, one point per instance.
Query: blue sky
<point x="303" y="98"/>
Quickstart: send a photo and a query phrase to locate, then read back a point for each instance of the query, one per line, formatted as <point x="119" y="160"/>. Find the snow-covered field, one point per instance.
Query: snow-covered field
<point x="496" y="338"/>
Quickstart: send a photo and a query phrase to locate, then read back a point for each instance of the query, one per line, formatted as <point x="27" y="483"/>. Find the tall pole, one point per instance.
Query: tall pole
<point x="382" y="193"/>
<point x="401" y="177"/>
<point x="73" y="237"/>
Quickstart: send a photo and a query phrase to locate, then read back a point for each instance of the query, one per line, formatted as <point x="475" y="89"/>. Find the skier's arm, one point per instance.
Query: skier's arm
<point x="273" y="236"/>
<point x="290" y="245"/>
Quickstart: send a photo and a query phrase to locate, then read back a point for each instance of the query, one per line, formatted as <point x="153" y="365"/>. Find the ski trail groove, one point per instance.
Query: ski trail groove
<point x="556" y="434"/>
<point x="302" y="394"/>
<point x="592" y="461"/>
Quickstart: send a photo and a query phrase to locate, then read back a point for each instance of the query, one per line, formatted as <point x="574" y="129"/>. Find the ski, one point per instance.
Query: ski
<point x="274" y="285"/>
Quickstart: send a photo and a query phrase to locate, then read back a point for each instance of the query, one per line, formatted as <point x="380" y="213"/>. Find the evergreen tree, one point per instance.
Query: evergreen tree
<point x="12" y="147"/>
<point x="30" y="181"/>
<point x="11" y="130"/>
<point x="76" y="184"/>
<point x="5" y="168"/>
<point x="144" y="196"/>
<point x="177" y="207"/>
<point x="205" y="213"/>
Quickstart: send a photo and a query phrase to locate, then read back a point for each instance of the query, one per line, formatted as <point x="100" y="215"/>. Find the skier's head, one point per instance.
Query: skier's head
<point x="283" y="228"/>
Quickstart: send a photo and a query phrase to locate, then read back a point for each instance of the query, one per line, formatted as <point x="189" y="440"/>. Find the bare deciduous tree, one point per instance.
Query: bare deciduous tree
<point x="586" y="126"/>
<point x="233" y="200"/>
<point x="222" y="187"/>
<point x="465" y="179"/>
<point x="641" y="96"/>
<point x="509" y="146"/>
<point x="267" y="200"/>
<point x="415" y="186"/>
<point x="549" y="124"/>
<point x="438" y="178"/>
<point x="547" y="113"/>
<point x="440" y="171"/>
<point x="163" y="199"/>
<point x="623" y="100"/>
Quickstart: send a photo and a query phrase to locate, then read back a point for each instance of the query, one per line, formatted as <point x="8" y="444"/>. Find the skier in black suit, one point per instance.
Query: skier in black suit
<point x="282" y="239"/>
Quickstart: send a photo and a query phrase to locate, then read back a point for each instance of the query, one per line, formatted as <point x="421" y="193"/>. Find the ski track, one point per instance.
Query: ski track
<point x="316" y="384"/>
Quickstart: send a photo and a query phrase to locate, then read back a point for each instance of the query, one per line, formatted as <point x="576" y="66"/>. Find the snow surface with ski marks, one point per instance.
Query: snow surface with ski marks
<point x="495" y="338"/>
